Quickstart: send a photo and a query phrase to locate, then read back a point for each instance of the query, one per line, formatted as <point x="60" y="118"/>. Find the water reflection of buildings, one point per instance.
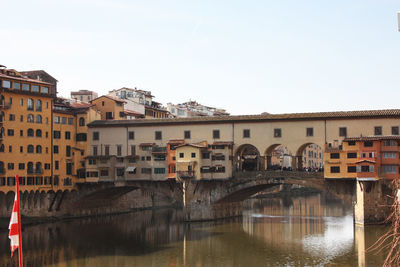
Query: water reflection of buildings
<point x="82" y="241"/>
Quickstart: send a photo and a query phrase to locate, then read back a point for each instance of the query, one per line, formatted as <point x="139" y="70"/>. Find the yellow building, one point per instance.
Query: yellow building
<point x="109" y="107"/>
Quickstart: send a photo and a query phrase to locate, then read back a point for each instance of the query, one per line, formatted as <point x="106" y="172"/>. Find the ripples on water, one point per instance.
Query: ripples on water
<point x="302" y="231"/>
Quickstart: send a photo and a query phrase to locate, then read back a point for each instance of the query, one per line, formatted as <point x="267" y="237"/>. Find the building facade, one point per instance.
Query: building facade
<point x="84" y="96"/>
<point x="194" y="109"/>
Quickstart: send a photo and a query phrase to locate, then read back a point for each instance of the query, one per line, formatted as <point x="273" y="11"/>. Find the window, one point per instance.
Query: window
<point x="81" y="121"/>
<point x="246" y="133"/>
<point x="389" y="143"/>
<point x="68" y="151"/>
<point x="21" y="118"/>
<point x="96" y="136"/>
<point x="30" y="104"/>
<point x="131" y="135"/>
<point x="159" y="157"/>
<point x="335" y="169"/>
<point x="45" y="90"/>
<point x="368" y="144"/>
<point x="278" y="132"/>
<point x="133" y="150"/>
<point x="107" y="150"/>
<point x="146" y="170"/>
<point x="218" y="157"/>
<point x="56" y="119"/>
<point x="335" y="155"/>
<point x="63" y="120"/>
<point x="378" y="130"/>
<point x="67" y="135"/>
<point x="351" y="143"/>
<point x="56" y="165"/>
<point x="186" y="134"/>
<point x="55" y="149"/>
<point x="70" y="121"/>
<point x="56" y="134"/>
<point x="181" y="155"/>
<point x="6" y="84"/>
<point x="158" y="135"/>
<point x="395" y="130"/>
<point x="36" y="88"/>
<point x="205" y="155"/>
<point x="343" y="131"/>
<point x="216" y="134"/>
<point x="38" y="105"/>
<point x="109" y="116"/>
<point x="94" y="150"/>
<point x="389" y="155"/>
<point x="159" y="170"/>
<point x="389" y="168"/>
<point x="11" y="117"/>
<point x="38" y="149"/>
<point x="38" y="119"/>
<point x="69" y="168"/>
<point x="10" y="166"/>
<point x="310" y="132"/>
<point x="119" y="150"/>
<point x="148" y="158"/>
<point x="103" y="172"/>
<point x="21" y="166"/>
<point x="26" y="87"/>
<point x="352" y="155"/>
<point x="10" y="132"/>
<point x="17" y="86"/>
<point x="10" y="148"/>
<point x="30" y="149"/>
<point x="21" y="149"/>
<point x="21" y="102"/>
<point x="193" y="155"/>
<point x="81" y="137"/>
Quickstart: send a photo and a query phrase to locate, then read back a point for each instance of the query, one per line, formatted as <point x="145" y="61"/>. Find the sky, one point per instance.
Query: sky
<point x="248" y="57"/>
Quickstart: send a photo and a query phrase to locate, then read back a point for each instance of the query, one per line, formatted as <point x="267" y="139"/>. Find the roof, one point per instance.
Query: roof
<point x="225" y="143"/>
<point x="110" y="97"/>
<point x="147" y="144"/>
<point x="192" y="145"/>
<point x="373" y="138"/>
<point x="366" y="161"/>
<point x="33" y="72"/>
<point x="81" y="105"/>
<point x="131" y="112"/>
<point x="23" y="79"/>
<point x="335" y="115"/>
<point x="176" y="141"/>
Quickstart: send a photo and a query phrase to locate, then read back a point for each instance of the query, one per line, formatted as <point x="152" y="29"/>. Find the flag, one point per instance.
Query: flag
<point x="15" y="225"/>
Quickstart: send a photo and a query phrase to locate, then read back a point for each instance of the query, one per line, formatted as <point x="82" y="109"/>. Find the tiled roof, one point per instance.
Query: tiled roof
<point x="23" y="79"/>
<point x="387" y="113"/>
<point x="110" y="97"/>
<point x="81" y="105"/>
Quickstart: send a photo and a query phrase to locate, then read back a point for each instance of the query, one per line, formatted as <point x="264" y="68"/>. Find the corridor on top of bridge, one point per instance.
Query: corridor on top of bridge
<point x="308" y="157"/>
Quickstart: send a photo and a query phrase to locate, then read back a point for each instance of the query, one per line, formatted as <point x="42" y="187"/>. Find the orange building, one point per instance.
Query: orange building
<point x="109" y="107"/>
<point x="171" y="156"/>
<point x="364" y="158"/>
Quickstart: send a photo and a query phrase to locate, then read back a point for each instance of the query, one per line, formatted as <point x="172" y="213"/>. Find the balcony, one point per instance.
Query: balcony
<point x="159" y="149"/>
<point x="185" y="174"/>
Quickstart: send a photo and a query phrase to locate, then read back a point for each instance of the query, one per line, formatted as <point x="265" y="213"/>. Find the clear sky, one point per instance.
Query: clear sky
<point x="248" y="57"/>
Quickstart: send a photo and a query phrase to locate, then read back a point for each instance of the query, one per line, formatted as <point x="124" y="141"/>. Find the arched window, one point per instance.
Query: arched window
<point x="38" y="133"/>
<point x="38" y="149"/>
<point x="81" y="121"/>
<point x="30" y="149"/>
<point x="30" y="118"/>
<point x="30" y="167"/>
<point x="38" y="119"/>
<point x="38" y="105"/>
<point x="30" y="104"/>
<point x="30" y="132"/>
<point x="38" y="167"/>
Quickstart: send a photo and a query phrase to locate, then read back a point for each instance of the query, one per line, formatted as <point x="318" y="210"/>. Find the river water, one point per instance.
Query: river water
<point x="299" y="231"/>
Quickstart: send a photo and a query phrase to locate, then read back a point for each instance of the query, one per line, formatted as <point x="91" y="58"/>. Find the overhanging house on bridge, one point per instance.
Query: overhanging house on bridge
<point x="253" y="138"/>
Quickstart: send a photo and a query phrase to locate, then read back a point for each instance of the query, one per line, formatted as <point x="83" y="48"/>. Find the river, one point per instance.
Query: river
<point x="299" y="231"/>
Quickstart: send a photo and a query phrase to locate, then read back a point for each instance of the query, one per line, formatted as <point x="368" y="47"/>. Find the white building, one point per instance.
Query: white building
<point x="136" y="100"/>
<point x="194" y="109"/>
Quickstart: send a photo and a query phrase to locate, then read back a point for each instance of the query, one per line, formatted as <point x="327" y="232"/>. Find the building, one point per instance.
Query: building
<point x="313" y="157"/>
<point x="84" y="95"/>
<point x="139" y="102"/>
<point x="109" y="107"/>
<point x="194" y="109"/>
<point x="248" y="140"/>
<point x="367" y="158"/>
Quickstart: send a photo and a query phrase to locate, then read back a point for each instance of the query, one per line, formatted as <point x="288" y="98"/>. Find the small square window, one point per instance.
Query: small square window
<point x="158" y="135"/>
<point x="378" y="130"/>
<point x="278" y="132"/>
<point x="246" y="133"/>
<point x="181" y="155"/>
<point x="131" y="135"/>
<point x="96" y="135"/>
<point x="310" y="132"/>
<point x="216" y="134"/>
<point x="193" y="155"/>
<point x="395" y="130"/>
<point x="343" y="131"/>
<point x="187" y="134"/>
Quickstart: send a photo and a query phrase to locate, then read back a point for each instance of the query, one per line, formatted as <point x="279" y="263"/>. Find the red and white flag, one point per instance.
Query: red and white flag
<point x="15" y="225"/>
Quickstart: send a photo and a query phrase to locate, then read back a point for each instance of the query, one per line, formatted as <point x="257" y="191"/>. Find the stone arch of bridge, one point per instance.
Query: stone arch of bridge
<point x="247" y="158"/>
<point x="304" y="159"/>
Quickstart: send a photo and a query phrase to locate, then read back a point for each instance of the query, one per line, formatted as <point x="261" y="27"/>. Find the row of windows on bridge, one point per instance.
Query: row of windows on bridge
<point x="38" y="150"/>
<point x="246" y="133"/>
<point x="353" y="155"/>
<point x="39" y="180"/>
<point x="391" y="169"/>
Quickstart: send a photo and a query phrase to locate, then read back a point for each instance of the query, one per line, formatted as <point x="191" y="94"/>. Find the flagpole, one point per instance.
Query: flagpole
<point x="19" y="223"/>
